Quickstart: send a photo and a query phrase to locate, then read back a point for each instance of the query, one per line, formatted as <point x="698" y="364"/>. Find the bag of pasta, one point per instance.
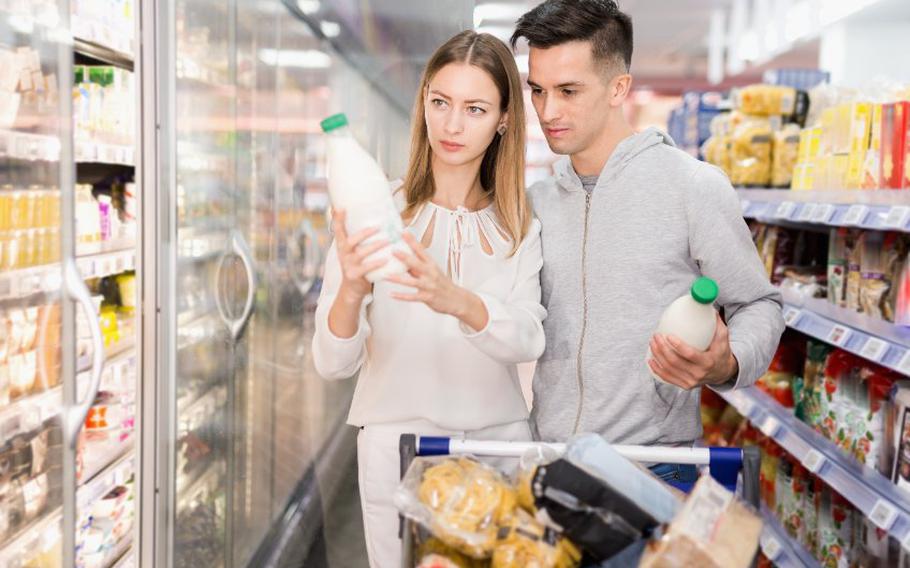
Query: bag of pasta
<point x="459" y="500"/>
<point x="526" y="543"/>
<point x="785" y="153"/>
<point x="765" y="100"/>
<point x="750" y="153"/>
<point x="434" y="553"/>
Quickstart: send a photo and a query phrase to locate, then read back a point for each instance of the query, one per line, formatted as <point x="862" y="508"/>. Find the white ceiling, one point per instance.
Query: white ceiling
<point x="671" y="42"/>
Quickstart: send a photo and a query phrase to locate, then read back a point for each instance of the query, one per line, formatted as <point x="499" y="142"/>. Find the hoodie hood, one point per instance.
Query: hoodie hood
<point x="625" y="152"/>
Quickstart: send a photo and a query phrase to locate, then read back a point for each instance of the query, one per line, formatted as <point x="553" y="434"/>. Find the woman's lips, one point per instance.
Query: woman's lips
<point x="451" y="146"/>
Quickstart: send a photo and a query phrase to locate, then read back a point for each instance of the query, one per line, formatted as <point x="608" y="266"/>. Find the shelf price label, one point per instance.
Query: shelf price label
<point x="792" y="316"/>
<point x="771" y="547"/>
<point x="904" y="365"/>
<point x="874" y="349"/>
<point x="856" y="215"/>
<point x="806" y="213"/>
<point x="784" y="210"/>
<point x="770" y="427"/>
<point x="813" y="461"/>
<point x="839" y="335"/>
<point x="883" y="514"/>
<point x="897" y="217"/>
<point x="823" y="213"/>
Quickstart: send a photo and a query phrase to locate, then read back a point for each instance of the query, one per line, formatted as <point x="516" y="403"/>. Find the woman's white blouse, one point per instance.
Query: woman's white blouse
<point x="417" y="364"/>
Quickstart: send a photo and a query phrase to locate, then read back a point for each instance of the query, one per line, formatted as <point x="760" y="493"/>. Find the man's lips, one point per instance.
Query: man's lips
<point x="556" y="131"/>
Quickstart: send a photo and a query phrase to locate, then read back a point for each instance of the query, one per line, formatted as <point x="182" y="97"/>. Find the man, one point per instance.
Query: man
<point x="629" y="223"/>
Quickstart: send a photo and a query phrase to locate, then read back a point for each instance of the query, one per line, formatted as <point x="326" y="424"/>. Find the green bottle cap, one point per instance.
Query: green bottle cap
<point x="704" y="290"/>
<point x="334" y="122"/>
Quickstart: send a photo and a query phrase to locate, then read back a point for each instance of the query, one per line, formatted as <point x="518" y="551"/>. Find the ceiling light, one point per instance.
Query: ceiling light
<point x="305" y="58"/>
<point x="308" y="6"/>
<point x="330" y="29"/>
<point x="498" y="11"/>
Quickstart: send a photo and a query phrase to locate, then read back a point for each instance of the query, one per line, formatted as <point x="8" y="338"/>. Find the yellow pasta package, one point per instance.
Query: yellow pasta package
<point x="750" y="153"/>
<point x="784" y="151"/>
<point x="765" y="100"/>
<point x="525" y="543"/>
<point x="461" y="501"/>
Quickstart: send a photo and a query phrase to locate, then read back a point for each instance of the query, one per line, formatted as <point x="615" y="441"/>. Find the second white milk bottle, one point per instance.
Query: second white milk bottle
<point x="358" y="185"/>
<point x="692" y="318"/>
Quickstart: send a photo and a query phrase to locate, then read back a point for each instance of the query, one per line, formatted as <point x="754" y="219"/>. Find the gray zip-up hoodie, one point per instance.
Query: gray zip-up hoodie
<point x="614" y="259"/>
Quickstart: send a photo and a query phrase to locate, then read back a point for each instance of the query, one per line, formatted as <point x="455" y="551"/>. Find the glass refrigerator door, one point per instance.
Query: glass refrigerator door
<point x="32" y="140"/>
<point x="206" y="263"/>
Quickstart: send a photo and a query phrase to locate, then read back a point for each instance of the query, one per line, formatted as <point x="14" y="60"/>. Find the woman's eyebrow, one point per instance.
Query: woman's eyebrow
<point x="472" y="101"/>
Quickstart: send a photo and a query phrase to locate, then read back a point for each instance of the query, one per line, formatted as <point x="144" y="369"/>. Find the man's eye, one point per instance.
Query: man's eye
<point x="568" y="92"/>
<point x="536" y="91"/>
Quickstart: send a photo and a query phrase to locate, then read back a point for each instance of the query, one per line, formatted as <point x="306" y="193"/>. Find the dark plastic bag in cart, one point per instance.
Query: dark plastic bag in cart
<point x="596" y="517"/>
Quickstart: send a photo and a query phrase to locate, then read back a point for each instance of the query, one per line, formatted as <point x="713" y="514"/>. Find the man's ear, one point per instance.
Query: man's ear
<point x="619" y="89"/>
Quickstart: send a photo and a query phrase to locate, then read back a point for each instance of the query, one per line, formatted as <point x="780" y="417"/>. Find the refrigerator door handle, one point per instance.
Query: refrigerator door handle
<point x="312" y="257"/>
<point x="77" y="291"/>
<point x="239" y="247"/>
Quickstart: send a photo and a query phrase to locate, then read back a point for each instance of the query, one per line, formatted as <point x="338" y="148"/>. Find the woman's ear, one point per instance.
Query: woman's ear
<point x="503" y="124"/>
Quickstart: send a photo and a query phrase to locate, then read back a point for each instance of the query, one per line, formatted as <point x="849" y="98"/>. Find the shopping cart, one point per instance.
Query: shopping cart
<point x="724" y="464"/>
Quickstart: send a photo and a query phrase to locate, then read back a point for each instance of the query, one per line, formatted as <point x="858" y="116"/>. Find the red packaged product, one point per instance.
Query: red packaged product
<point x="894" y="138"/>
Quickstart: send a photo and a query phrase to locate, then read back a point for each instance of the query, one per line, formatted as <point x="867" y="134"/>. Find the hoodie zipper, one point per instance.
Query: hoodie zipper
<point x="584" y="315"/>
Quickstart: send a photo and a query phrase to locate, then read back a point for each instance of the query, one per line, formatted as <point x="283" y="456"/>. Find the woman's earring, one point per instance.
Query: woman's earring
<point x="501" y="130"/>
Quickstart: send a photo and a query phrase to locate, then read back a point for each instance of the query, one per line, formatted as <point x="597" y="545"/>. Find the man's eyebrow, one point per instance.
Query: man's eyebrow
<point x="534" y="85"/>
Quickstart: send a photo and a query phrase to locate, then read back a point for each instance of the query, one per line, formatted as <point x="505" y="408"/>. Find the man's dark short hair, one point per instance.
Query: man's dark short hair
<point x="555" y="22"/>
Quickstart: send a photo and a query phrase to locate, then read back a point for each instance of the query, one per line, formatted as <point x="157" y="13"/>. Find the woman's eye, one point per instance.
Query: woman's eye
<point x="475" y="110"/>
<point x="438" y="103"/>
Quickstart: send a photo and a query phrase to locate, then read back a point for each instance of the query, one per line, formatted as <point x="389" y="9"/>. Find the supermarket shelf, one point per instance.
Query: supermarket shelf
<point x="46" y="279"/>
<point x="118" y="354"/>
<point x="198" y="247"/>
<point x="875" y="341"/>
<point x="780" y="548"/>
<point x="206" y="328"/>
<point x="26" y="414"/>
<point x="96" y="262"/>
<point x="101" y="42"/>
<point x="106" y="247"/>
<point x="27" y="539"/>
<point x="869" y="491"/>
<point x="882" y="210"/>
<point x="110" y="454"/>
<point x="107" y="263"/>
<point x="202" y="408"/>
<point x="117" y="473"/>
<point x="114" y="554"/>
<point x="128" y="560"/>
<point x="91" y="152"/>
<point x="29" y="147"/>
<point x="191" y="489"/>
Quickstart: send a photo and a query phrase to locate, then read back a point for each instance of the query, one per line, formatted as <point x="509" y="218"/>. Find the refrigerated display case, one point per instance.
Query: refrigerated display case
<point x="68" y="363"/>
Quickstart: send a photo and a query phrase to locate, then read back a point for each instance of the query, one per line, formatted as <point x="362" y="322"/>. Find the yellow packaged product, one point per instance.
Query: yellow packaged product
<point x="435" y="554"/>
<point x="784" y="152"/>
<point x="765" y="100"/>
<point x="860" y="125"/>
<point x="461" y="501"/>
<point x="750" y="153"/>
<point x="525" y="543"/>
<point x="872" y="162"/>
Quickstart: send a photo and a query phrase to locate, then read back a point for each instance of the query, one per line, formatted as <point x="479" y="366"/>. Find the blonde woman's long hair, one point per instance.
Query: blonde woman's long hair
<point x="503" y="166"/>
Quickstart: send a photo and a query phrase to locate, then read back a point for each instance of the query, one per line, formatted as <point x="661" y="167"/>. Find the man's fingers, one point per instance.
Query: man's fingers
<point x="684" y="350"/>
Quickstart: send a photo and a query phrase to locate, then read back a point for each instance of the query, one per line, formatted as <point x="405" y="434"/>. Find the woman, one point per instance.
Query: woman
<point x="437" y="347"/>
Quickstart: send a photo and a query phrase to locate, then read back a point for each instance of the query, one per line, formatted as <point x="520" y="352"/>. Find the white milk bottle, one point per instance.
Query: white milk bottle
<point x="358" y="185"/>
<point x="692" y="317"/>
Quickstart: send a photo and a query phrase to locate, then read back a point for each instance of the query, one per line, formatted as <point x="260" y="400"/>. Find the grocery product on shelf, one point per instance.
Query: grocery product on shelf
<point x="765" y="100"/>
<point x="103" y="102"/>
<point x="784" y="152"/>
<point x="28" y="92"/>
<point x="750" y="153"/>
